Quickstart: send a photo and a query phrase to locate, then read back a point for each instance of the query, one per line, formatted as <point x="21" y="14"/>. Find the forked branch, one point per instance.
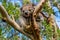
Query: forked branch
<point x="38" y="8"/>
<point x="5" y="15"/>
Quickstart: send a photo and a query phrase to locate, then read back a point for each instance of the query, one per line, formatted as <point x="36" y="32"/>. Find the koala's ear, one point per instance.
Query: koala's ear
<point x="21" y="8"/>
<point x="33" y="5"/>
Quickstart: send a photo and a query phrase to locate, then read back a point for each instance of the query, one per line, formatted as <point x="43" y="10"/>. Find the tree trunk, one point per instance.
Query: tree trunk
<point x="36" y="38"/>
<point x="35" y="29"/>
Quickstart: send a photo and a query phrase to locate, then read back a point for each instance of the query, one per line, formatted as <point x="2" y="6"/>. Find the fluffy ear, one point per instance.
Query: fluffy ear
<point x="33" y="4"/>
<point x="21" y="8"/>
<point x="3" y="20"/>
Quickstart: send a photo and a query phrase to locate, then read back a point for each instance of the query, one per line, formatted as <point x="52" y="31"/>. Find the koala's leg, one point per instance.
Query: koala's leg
<point x="23" y="22"/>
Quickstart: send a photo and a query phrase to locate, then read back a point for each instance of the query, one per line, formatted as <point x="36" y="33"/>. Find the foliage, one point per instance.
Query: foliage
<point x="47" y="31"/>
<point x="26" y="2"/>
<point x="47" y="8"/>
<point x="37" y="0"/>
<point x="15" y="11"/>
<point x="11" y="9"/>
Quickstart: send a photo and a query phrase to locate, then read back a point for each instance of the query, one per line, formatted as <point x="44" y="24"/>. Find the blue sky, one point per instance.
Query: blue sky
<point x="15" y="1"/>
<point x="20" y="2"/>
<point x="57" y="15"/>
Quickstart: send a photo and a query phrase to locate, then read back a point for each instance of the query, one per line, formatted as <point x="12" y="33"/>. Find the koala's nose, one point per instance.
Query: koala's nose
<point x="26" y="12"/>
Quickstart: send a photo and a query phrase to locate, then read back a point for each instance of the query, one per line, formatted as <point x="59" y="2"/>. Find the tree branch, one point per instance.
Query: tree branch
<point x="12" y="22"/>
<point x="39" y="7"/>
<point x="37" y="10"/>
<point x="34" y="25"/>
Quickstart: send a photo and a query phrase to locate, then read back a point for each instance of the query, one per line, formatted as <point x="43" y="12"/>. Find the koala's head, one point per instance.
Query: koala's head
<point x="27" y="10"/>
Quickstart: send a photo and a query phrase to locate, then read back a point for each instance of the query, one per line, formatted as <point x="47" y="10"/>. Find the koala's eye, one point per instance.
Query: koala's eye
<point x="23" y="10"/>
<point x="29" y="10"/>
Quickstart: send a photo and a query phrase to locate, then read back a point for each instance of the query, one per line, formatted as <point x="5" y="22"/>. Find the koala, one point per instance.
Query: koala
<point x="25" y="17"/>
<point x="27" y="10"/>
